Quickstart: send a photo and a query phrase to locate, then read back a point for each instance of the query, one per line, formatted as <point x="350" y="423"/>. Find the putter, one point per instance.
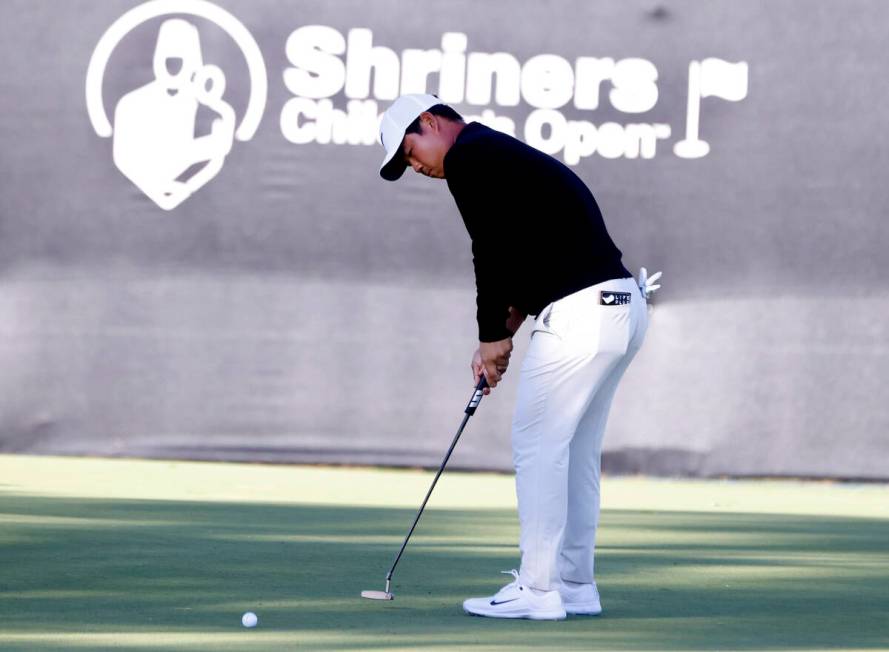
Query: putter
<point x="470" y="410"/>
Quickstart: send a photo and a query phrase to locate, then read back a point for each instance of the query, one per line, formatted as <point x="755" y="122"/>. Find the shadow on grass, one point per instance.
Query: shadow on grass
<point x="669" y="580"/>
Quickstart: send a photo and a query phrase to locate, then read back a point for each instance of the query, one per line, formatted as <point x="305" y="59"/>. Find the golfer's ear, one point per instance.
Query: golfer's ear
<point x="429" y="120"/>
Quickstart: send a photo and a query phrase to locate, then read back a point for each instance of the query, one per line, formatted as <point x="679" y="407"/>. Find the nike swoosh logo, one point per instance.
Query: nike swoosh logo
<point x="494" y="604"/>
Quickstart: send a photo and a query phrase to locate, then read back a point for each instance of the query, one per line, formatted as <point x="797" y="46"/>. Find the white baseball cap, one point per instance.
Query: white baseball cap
<point x="397" y="118"/>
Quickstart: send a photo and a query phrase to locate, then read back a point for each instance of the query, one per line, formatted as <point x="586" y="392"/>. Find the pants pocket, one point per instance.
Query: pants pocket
<point x="614" y="333"/>
<point x="600" y="329"/>
<point x="545" y="350"/>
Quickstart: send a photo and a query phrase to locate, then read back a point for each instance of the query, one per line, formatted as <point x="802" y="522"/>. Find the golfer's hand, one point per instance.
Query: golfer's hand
<point x="478" y="369"/>
<point x="493" y="358"/>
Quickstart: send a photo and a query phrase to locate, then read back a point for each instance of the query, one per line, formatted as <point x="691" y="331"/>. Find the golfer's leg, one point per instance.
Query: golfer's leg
<point x="553" y="394"/>
<point x="577" y="562"/>
<point x="582" y="519"/>
<point x="538" y="456"/>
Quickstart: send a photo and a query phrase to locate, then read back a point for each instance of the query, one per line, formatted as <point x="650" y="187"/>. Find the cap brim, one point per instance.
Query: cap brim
<point x="393" y="166"/>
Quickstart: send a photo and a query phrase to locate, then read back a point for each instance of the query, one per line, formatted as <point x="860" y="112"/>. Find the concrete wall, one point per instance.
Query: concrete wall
<point x="296" y="307"/>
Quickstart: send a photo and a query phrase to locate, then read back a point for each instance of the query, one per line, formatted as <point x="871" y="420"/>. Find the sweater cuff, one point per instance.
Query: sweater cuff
<point x="493" y="333"/>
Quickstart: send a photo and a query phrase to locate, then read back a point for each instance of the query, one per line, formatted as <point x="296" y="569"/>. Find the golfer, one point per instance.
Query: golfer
<point x="539" y="248"/>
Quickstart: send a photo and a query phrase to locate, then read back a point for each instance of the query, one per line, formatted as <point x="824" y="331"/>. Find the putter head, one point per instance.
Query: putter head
<point x="377" y="595"/>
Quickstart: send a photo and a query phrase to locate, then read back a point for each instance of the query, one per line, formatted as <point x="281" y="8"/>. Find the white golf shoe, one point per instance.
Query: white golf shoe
<point x="517" y="601"/>
<point x="581" y="599"/>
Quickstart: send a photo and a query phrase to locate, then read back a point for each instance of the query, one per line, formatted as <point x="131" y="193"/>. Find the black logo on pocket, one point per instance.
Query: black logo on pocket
<point x="614" y="298"/>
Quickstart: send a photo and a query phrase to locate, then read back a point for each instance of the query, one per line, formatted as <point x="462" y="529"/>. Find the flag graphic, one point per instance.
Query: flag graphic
<point x="709" y="78"/>
<point x="723" y="79"/>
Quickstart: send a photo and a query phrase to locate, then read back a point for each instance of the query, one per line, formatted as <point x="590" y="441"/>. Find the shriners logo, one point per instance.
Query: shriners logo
<point x="154" y="126"/>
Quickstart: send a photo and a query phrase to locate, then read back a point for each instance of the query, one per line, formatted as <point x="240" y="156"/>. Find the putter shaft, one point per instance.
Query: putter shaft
<point x="468" y="412"/>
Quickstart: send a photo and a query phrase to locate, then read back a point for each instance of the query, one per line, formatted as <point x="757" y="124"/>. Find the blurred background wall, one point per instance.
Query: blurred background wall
<point x="298" y="308"/>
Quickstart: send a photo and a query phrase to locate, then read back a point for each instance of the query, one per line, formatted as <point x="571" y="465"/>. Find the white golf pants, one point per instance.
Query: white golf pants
<point x="580" y="347"/>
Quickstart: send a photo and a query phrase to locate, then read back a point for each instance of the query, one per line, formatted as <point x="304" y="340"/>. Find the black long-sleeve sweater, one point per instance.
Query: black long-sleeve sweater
<point x="537" y="232"/>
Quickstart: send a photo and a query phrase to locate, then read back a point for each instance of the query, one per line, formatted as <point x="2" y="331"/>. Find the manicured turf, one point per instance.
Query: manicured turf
<point x="118" y="554"/>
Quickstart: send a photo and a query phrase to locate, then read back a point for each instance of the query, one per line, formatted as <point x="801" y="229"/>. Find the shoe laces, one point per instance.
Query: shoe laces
<point x="515" y="575"/>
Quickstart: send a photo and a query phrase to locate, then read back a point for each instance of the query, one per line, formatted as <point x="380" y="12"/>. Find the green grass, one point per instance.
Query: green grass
<point x="80" y="571"/>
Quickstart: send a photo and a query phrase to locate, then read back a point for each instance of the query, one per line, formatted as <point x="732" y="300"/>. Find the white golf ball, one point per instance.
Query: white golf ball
<point x="249" y="619"/>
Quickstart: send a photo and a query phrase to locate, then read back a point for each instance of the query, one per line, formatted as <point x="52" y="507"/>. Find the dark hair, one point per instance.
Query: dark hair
<point x="442" y="110"/>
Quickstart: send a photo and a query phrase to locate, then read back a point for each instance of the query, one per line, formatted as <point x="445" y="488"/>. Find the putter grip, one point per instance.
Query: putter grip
<point x="477" y="395"/>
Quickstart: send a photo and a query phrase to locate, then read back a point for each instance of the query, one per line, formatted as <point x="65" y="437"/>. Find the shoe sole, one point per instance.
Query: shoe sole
<point x="580" y="610"/>
<point x="545" y="616"/>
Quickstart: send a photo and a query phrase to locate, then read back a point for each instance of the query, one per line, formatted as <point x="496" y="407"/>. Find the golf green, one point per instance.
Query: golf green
<point x="153" y="555"/>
